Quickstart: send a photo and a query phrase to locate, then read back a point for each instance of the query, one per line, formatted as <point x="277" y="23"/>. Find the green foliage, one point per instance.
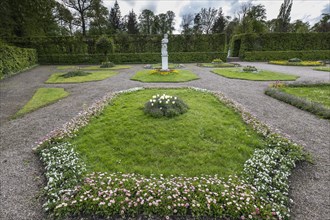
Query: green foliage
<point x="75" y="73"/>
<point x="180" y="57"/>
<point x="104" y="45"/>
<point x="285" y="55"/>
<point x="165" y="106"/>
<point x="299" y="63"/>
<point x="41" y="98"/>
<point x="107" y="65"/>
<point x="262" y="75"/>
<point x="14" y="59"/>
<point x="217" y="61"/>
<point x="301" y="102"/>
<point x="280" y="42"/>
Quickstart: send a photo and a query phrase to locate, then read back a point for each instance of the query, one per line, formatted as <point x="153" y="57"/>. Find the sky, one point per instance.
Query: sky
<point x="305" y="10"/>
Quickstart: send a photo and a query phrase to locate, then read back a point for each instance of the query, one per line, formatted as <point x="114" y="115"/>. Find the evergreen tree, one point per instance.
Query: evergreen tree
<point x="132" y="24"/>
<point x="283" y="18"/>
<point x="323" y="25"/>
<point x="115" y="19"/>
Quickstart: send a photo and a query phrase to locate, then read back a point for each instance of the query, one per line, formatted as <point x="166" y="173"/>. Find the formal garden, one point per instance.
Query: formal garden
<point x="177" y="126"/>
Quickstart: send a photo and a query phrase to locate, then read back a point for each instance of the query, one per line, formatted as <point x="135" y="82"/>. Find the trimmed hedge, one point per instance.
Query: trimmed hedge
<point x="14" y="59"/>
<point x="243" y="43"/>
<point x="118" y="58"/>
<point x="124" y="43"/>
<point x="285" y="55"/>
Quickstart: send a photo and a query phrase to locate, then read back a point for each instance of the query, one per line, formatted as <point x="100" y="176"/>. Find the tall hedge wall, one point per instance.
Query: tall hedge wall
<point x="180" y="57"/>
<point x="240" y="44"/>
<point x="285" y="55"/>
<point x="124" y="43"/>
<point x="14" y="59"/>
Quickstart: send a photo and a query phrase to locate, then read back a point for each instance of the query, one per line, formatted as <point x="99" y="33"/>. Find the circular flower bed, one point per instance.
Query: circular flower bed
<point x="163" y="72"/>
<point x="165" y="105"/>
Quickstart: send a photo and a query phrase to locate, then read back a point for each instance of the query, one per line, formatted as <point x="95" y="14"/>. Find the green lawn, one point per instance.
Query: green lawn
<point x="209" y="139"/>
<point x="42" y="97"/>
<point x="117" y="67"/>
<point x="180" y="76"/>
<point x="263" y="75"/>
<point x="320" y="94"/>
<point x="326" y="68"/>
<point x="95" y="76"/>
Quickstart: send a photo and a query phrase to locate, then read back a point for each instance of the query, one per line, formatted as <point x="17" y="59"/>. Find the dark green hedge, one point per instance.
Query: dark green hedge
<point x="285" y="55"/>
<point x="181" y="57"/>
<point x="124" y="43"/>
<point x="14" y="59"/>
<point x="240" y="44"/>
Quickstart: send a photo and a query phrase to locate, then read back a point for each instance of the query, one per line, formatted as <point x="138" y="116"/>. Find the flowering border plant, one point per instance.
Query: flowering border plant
<point x="259" y="192"/>
<point x="165" y="105"/>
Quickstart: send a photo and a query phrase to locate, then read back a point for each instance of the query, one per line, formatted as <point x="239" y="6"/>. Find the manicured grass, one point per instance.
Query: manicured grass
<point x="95" y="76"/>
<point x="302" y="63"/>
<point x="208" y="139"/>
<point x="326" y="68"/>
<point x="222" y="65"/>
<point x="42" y="97"/>
<point x="117" y="67"/>
<point x="262" y="75"/>
<point x="179" y="76"/>
<point x="319" y="94"/>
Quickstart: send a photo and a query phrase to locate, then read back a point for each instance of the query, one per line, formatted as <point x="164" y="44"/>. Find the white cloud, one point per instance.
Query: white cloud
<point x="306" y="10"/>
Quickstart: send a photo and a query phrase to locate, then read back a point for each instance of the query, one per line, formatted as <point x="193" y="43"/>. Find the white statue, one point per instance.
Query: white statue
<point x="164" y="45"/>
<point x="164" y="53"/>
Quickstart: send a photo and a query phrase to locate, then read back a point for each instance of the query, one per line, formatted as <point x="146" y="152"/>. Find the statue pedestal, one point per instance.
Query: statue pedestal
<point x="164" y="63"/>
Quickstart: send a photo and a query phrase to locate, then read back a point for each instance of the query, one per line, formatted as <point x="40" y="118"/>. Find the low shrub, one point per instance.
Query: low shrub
<point x="300" y="63"/>
<point x="286" y="55"/>
<point x="107" y="65"/>
<point x="75" y="73"/>
<point x="250" y="69"/>
<point x="175" y="57"/>
<point x="217" y="61"/>
<point x="165" y="105"/>
<point x="301" y="103"/>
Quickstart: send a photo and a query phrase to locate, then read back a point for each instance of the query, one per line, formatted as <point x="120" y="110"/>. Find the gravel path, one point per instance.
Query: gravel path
<point x="21" y="172"/>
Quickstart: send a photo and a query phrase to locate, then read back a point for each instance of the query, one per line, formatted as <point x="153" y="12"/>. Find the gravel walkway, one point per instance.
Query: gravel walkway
<point x="21" y="172"/>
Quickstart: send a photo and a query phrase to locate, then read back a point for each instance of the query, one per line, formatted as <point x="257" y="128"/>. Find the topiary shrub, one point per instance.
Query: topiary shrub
<point x="217" y="61"/>
<point x="107" y="65"/>
<point x="165" y="106"/>
<point x="75" y="73"/>
<point x="294" y="60"/>
<point x="105" y="45"/>
<point x="250" y="69"/>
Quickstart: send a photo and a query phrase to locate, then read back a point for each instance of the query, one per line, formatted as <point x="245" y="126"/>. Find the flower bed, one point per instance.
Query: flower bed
<point x="259" y="192"/>
<point x="302" y="63"/>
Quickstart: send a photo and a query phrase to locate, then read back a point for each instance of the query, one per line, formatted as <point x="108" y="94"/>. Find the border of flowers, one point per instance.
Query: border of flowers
<point x="301" y="103"/>
<point x="264" y="180"/>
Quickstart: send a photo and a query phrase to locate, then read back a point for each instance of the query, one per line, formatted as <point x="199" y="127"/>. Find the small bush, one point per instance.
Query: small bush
<point x="107" y="65"/>
<point x="217" y="61"/>
<point x="75" y="73"/>
<point x="294" y="60"/>
<point x="250" y="69"/>
<point x="165" y="105"/>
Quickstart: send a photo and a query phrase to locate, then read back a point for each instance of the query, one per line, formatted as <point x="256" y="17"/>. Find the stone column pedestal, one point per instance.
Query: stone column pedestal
<point x="164" y="63"/>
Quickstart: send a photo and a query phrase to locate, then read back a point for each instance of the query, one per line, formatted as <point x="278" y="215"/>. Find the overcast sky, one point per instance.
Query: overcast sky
<point x="306" y="10"/>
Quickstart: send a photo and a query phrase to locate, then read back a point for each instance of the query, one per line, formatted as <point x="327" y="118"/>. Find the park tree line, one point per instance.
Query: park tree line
<point x="24" y="18"/>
